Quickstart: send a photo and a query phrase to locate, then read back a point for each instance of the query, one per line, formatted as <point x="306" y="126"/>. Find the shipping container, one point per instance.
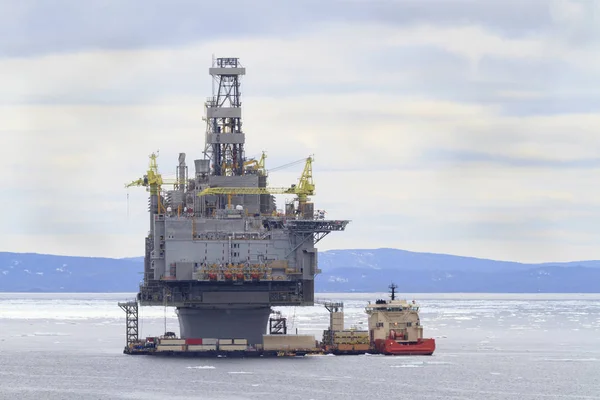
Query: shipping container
<point x="345" y="347"/>
<point x="350" y="334"/>
<point x="361" y="347"/>
<point x="209" y="341"/>
<point x="202" y="347"/>
<point x="289" y="342"/>
<point x="193" y="341"/>
<point x="240" y="341"/>
<point x="172" y="341"/>
<point x="357" y="340"/>
<point x="225" y="341"/>
<point x="170" y="348"/>
<point x="232" y="347"/>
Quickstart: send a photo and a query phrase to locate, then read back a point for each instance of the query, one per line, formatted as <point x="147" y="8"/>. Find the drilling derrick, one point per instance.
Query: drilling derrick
<point x="218" y="250"/>
<point x="224" y="136"/>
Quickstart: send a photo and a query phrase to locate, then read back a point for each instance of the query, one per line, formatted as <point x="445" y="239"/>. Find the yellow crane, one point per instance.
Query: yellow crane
<point x="302" y="190"/>
<point x="153" y="180"/>
<point x="258" y="166"/>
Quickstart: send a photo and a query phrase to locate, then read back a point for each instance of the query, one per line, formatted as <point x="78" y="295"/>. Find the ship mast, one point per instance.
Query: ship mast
<point x="393" y="288"/>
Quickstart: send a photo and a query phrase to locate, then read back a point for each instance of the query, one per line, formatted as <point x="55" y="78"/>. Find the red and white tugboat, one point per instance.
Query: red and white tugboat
<point x="395" y="327"/>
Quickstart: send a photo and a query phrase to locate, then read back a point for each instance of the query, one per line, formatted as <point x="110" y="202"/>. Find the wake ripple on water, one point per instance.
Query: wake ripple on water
<point x="44" y="334"/>
<point x="439" y="363"/>
<point x="570" y="359"/>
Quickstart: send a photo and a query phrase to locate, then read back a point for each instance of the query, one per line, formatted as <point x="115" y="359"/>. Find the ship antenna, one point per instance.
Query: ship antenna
<point x="393" y="288"/>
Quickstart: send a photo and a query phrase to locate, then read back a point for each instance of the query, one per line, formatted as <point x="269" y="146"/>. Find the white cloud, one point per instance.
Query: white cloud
<point x="412" y="168"/>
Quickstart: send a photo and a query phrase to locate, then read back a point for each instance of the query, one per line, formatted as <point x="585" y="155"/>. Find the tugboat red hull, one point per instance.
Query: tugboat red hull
<point x="423" y="347"/>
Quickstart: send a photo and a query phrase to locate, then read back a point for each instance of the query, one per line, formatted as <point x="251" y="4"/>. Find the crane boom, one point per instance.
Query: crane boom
<point x="305" y="187"/>
<point x="258" y="166"/>
<point x="153" y="180"/>
<point x="245" y="190"/>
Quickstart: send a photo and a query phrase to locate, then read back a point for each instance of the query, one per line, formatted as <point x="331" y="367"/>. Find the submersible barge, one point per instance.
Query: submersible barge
<point x="394" y="329"/>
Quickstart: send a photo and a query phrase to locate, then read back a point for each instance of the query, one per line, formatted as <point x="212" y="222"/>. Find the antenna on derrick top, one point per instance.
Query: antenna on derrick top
<point x="393" y="288"/>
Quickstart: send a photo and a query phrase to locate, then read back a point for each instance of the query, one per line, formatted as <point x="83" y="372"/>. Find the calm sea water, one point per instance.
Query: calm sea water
<point x="69" y="346"/>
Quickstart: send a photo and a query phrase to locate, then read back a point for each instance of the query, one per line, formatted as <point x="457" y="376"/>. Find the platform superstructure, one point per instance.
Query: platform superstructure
<point x="218" y="249"/>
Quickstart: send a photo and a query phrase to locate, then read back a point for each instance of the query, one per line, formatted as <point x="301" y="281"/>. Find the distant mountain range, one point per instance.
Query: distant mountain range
<point x="342" y="271"/>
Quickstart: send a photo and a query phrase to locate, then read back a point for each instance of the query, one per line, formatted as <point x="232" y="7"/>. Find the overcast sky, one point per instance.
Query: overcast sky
<point x="467" y="127"/>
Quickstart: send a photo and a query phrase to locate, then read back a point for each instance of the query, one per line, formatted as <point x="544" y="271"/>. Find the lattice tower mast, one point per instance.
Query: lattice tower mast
<point x="224" y="136"/>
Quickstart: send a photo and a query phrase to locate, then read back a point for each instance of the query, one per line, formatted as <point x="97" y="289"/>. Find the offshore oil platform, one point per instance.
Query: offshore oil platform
<point x="218" y="249"/>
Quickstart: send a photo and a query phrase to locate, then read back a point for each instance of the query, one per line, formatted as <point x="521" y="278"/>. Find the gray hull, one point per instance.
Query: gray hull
<point x="230" y="323"/>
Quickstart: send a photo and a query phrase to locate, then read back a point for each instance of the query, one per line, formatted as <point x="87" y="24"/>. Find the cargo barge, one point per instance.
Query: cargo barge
<point x="394" y="329"/>
<point x="273" y="346"/>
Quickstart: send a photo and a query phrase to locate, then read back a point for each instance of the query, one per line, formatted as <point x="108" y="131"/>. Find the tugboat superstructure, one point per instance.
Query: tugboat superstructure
<point x="395" y="327"/>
